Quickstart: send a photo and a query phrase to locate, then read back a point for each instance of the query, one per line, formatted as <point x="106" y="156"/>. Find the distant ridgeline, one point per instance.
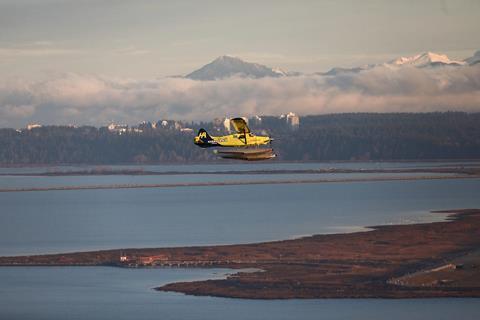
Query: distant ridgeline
<point x="359" y="136"/>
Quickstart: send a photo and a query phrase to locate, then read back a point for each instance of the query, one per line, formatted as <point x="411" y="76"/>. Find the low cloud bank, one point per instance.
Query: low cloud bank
<point x="97" y="100"/>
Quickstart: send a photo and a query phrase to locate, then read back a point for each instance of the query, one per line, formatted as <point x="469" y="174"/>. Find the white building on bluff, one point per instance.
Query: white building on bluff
<point x="293" y="120"/>
<point x="226" y="124"/>
<point x="31" y="126"/>
<point x="118" y="128"/>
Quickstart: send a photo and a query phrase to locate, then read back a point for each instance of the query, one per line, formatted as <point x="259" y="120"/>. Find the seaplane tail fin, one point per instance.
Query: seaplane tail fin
<point x="204" y="140"/>
<point x="204" y="136"/>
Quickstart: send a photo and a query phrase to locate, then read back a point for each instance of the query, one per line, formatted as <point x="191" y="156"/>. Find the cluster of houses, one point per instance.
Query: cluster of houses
<point x="164" y="260"/>
<point x="147" y="125"/>
<point x="32" y="126"/>
<point x="220" y="124"/>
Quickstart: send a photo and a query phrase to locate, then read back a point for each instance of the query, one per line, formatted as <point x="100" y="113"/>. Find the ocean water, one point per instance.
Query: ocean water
<point x="63" y="221"/>
<point x="51" y="293"/>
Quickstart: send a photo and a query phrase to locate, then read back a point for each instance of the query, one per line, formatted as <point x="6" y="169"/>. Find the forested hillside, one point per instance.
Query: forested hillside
<point x="384" y="137"/>
<point x="362" y="136"/>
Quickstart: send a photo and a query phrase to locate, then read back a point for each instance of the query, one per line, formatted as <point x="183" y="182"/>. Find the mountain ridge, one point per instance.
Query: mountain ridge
<point x="228" y="66"/>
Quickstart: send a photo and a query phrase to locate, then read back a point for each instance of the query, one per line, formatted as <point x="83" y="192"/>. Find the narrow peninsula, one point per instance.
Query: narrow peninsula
<point x="440" y="259"/>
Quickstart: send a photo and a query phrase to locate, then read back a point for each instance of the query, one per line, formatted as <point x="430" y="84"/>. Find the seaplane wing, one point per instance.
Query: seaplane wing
<point x="246" y="154"/>
<point x="239" y="125"/>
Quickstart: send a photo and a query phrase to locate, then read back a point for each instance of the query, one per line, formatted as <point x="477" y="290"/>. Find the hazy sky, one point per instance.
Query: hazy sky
<point x="92" y="62"/>
<point x="158" y="38"/>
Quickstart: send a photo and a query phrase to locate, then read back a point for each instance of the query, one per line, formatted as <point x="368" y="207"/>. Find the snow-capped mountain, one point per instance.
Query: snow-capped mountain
<point x="474" y="59"/>
<point x="228" y="66"/>
<point x="426" y="59"/>
<point x="422" y="60"/>
<point x="279" y="71"/>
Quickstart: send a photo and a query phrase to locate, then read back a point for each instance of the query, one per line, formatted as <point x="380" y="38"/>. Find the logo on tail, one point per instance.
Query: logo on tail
<point x="204" y="140"/>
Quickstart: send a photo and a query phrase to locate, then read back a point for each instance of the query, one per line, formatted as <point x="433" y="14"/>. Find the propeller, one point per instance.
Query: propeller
<point x="270" y="142"/>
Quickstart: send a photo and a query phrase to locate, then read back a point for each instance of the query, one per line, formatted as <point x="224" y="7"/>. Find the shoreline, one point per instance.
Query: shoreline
<point x="237" y="183"/>
<point x="463" y="170"/>
<point x="226" y="162"/>
<point x="438" y="259"/>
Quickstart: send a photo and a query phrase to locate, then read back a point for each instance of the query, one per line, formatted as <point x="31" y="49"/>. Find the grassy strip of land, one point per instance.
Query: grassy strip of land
<point x="466" y="169"/>
<point x="438" y="259"/>
<point x="236" y="183"/>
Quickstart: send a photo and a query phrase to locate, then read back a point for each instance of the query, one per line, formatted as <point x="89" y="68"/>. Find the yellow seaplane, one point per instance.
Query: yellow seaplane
<point x="242" y="145"/>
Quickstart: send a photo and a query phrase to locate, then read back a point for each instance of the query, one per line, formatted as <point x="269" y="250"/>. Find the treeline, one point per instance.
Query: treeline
<point x="356" y="136"/>
<point x="392" y="136"/>
<point x="90" y="145"/>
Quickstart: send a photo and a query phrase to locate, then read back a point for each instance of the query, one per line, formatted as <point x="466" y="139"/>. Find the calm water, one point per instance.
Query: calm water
<point x="58" y="221"/>
<point x="112" y="293"/>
